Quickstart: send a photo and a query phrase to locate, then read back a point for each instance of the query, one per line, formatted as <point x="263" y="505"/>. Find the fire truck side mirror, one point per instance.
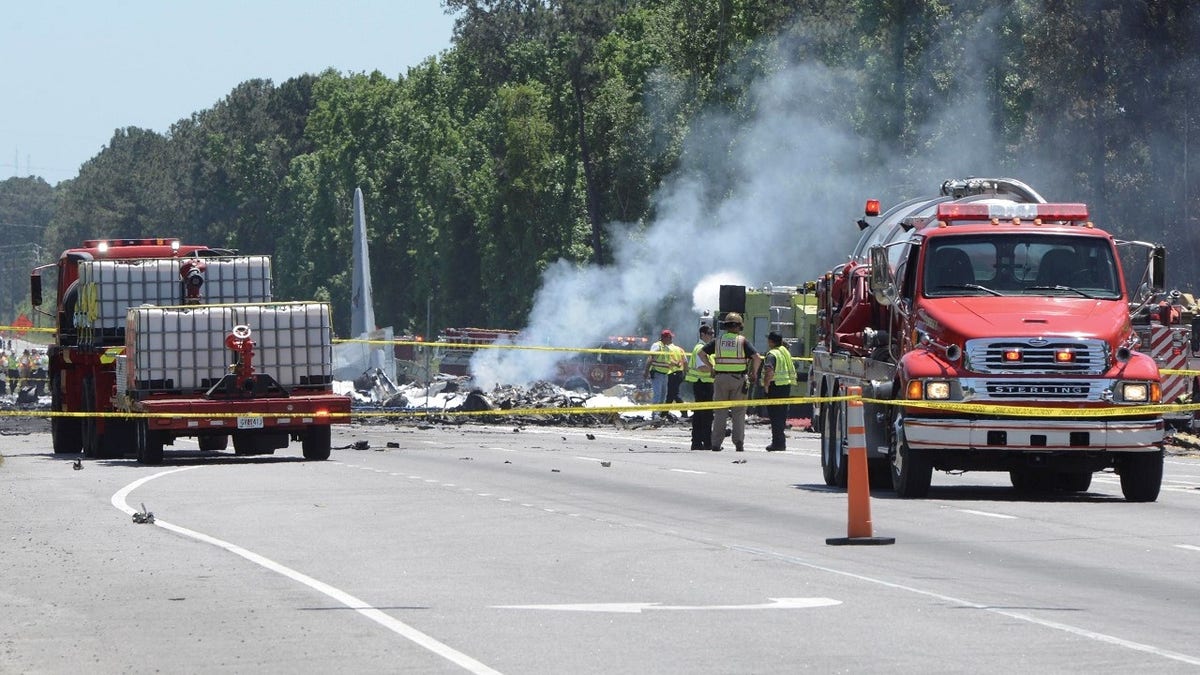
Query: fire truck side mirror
<point x="882" y="287"/>
<point x="35" y="289"/>
<point x="1158" y="268"/>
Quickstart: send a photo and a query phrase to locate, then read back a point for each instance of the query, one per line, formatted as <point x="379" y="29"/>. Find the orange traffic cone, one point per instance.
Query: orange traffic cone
<point x="858" y="488"/>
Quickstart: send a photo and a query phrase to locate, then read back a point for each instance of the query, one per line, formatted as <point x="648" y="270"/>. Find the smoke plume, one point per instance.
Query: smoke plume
<point x="771" y="199"/>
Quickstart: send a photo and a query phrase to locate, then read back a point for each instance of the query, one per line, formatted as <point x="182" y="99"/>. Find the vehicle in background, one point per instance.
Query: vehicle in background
<point x="156" y="340"/>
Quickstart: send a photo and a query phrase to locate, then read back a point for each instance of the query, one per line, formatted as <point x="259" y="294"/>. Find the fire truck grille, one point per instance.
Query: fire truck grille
<point x="1044" y="390"/>
<point x="1037" y="355"/>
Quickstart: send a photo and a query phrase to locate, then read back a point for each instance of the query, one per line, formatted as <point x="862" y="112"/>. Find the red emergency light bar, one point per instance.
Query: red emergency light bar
<point x="96" y="243"/>
<point x="1046" y="212"/>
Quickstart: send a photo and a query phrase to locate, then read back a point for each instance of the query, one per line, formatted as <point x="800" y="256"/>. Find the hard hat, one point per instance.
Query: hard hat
<point x="666" y="333"/>
<point x="732" y="318"/>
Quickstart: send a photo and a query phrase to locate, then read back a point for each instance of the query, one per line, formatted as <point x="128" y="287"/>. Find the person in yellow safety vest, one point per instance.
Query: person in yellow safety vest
<point x="701" y="377"/>
<point x="735" y="361"/>
<point x="659" y="366"/>
<point x="675" y="377"/>
<point x="24" y="368"/>
<point x="779" y="374"/>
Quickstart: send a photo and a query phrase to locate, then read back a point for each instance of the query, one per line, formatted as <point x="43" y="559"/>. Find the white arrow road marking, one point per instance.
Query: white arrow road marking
<point x="639" y="607"/>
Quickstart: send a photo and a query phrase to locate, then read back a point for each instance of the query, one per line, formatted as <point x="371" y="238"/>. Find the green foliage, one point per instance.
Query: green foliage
<point x="548" y="120"/>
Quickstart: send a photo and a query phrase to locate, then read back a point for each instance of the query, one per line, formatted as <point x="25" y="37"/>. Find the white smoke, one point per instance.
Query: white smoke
<point x="769" y="199"/>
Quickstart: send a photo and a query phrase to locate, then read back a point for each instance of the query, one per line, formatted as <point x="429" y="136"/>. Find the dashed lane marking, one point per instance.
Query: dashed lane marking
<point x="988" y="514"/>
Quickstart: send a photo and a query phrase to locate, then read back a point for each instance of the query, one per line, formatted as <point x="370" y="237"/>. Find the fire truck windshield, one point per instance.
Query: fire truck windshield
<point x="1021" y="264"/>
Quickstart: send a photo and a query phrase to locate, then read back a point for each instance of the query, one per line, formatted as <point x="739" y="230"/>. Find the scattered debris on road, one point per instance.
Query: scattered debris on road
<point x="143" y="516"/>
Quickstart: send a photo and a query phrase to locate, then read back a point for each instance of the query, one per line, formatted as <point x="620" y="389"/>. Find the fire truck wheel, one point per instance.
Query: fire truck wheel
<point x="912" y="472"/>
<point x="149" y="443"/>
<point x="833" y="435"/>
<point x="1032" y="481"/>
<point x="213" y="443"/>
<point x="91" y="441"/>
<point x="879" y="472"/>
<point x="1141" y="475"/>
<point x="66" y="435"/>
<point x="1074" y="481"/>
<point x="316" y="443"/>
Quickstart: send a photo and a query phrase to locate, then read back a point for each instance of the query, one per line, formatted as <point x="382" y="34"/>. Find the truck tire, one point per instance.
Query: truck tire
<point x="1141" y="475"/>
<point x="833" y="459"/>
<point x="879" y="470"/>
<point x="149" y="443"/>
<point x="1073" y="481"/>
<point x="213" y="443"/>
<point x="66" y="435"/>
<point x="94" y="443"/>
<point x="1034" y="481"/>
<point x="912" y="472"/>
<point x="316" y="442"/>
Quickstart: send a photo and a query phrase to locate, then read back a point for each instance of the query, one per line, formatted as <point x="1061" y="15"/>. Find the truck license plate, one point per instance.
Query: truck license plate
<point x="250" y="422"/>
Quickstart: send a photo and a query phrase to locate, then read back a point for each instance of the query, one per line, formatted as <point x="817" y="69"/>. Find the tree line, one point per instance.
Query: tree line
<point x="548" y="121"/>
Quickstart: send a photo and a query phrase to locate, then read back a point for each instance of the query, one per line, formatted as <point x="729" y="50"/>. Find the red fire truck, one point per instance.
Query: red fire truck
<point x="990" y="331"/>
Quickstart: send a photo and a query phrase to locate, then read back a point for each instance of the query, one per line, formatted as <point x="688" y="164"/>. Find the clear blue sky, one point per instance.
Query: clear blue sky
<point x="73" y="71"/>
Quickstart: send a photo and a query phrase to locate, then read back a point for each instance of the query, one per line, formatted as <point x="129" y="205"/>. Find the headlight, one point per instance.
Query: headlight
<point x="1135" y="392"/>
<point x="937" y="391"/>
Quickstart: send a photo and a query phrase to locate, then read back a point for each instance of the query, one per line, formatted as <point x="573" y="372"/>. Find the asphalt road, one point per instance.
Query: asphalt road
<point x="541" y="550"/>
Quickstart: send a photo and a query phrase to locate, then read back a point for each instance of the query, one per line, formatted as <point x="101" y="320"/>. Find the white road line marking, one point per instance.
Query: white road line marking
<point x="502" y="449"/>
<point x="589" y="459"/>
<point x="1188" y="547"/>
<point x="989" y="514"/>
<point x="639" y="607"/>
<point x="1055" y="625"/>
<point x="389" y="622"/>
<point x="687" y="471"/>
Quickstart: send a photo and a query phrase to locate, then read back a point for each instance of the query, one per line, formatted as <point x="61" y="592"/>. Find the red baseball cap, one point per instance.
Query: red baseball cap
<point x="667" y="333"/>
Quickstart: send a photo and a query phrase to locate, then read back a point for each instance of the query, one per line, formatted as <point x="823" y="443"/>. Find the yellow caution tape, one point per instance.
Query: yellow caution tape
<point x="991" y="410"/>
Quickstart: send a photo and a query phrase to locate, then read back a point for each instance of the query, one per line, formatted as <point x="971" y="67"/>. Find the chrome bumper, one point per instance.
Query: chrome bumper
<point x="1034" y="435"/>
